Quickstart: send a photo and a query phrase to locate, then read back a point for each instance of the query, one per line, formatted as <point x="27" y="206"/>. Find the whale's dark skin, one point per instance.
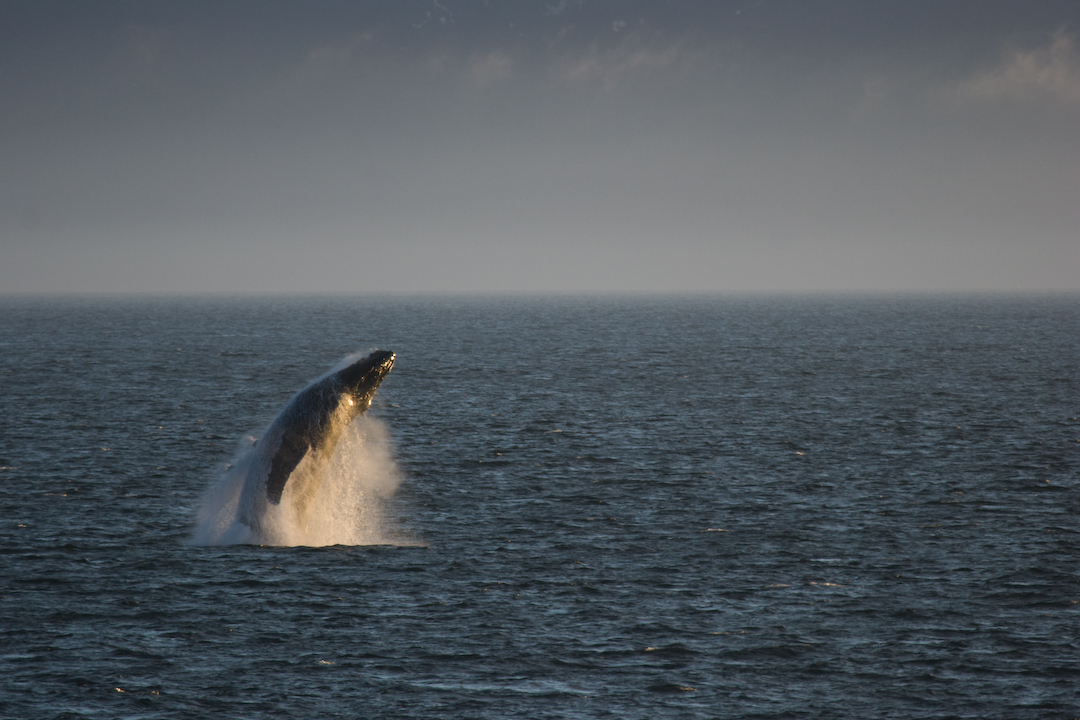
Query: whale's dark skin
<point x="312" y="423"/>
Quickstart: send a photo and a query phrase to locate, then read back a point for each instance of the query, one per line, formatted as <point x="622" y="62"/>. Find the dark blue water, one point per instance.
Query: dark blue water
<point x="633" y="508"/>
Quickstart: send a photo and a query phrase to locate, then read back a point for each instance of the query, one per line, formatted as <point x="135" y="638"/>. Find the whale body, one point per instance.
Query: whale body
<point x="295" y="448"/>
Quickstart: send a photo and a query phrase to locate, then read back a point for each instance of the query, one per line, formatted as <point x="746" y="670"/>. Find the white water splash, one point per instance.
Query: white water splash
<point x="349" y="507"/>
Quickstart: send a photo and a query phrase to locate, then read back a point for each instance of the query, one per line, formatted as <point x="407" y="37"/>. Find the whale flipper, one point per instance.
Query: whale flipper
<point x="286" y="459"/>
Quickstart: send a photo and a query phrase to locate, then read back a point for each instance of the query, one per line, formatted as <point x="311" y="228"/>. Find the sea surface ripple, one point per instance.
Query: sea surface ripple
<point x="740" y="507"/>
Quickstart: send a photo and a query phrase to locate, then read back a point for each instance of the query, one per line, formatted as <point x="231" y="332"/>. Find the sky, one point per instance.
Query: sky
<point x="550" y="146"/>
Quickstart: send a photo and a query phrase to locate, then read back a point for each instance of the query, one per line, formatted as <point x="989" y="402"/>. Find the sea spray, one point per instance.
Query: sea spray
<point x="350" y="506"/>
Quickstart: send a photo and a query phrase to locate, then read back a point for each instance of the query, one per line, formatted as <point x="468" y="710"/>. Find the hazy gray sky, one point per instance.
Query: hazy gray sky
<point x="558" y="145"/>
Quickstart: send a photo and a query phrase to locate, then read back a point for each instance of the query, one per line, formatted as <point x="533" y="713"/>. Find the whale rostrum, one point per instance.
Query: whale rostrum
<point x="309" y="428"/>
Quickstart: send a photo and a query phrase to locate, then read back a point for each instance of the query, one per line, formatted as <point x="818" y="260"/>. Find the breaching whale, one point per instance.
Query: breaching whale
<point x="295" y="448"/>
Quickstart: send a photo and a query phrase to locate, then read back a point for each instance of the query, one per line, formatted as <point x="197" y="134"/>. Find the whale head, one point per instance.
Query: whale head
<point x="360" y="380"/>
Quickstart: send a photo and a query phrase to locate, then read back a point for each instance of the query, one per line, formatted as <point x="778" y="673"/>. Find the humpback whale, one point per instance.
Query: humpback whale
<point x="295" y="448"/>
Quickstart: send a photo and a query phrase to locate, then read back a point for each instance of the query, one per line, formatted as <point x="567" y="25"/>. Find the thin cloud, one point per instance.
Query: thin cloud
<point x="326" y="61"/>
<point x="491" y="68"/>
<point x="1052" y="70"/>
<point x="635" y="56"/>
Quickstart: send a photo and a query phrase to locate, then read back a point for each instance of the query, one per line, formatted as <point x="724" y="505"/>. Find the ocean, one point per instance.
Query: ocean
<point x="564" y="507"/>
